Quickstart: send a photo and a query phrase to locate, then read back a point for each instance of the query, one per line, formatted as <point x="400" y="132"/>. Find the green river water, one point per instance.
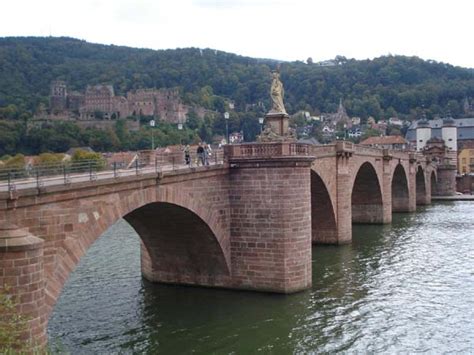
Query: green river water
<point x="405" y="287"/>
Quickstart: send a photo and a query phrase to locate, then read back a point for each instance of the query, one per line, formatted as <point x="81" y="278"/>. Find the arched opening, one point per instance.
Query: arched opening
<point x="164" y="242"/>
<point x="420" y="187"/>
<point x="323" y="221"/>
<point x="400" y="195"/>
<point x="434" y="187"/>
<point x="178" y="246"/>
<point x="367" y="205"/>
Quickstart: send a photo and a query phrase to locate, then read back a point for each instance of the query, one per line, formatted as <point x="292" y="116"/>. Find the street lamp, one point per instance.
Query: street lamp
<point x="260" y="120"/>
<point x="152" y="125"/>
<point x="226" y="116"/>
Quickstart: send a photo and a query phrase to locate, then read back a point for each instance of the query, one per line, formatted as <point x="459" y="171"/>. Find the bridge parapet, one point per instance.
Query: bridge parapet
<point x="266" y="150"/>
<point x="323" y="150"/>
<point x="364" y="150"/>
<point x="344" y="148"/>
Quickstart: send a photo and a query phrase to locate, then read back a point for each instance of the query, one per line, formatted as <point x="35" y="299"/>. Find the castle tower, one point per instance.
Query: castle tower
<point x="423" y="134"/>
<point x="449" y="133"/>
<point x="58" y="96"/>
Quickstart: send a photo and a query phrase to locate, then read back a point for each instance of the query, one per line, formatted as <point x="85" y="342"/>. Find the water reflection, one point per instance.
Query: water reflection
<point x="402" y="287"/>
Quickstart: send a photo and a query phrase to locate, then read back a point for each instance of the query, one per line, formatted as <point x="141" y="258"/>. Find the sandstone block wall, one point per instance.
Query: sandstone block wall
<point x="271" y="226"/>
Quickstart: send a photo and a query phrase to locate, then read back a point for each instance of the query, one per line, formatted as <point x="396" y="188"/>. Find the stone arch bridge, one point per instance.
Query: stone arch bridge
<point x="246" y="224"/>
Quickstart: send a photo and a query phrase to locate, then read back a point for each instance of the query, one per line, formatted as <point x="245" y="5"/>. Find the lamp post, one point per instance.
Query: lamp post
<point x="226" y="116"/>
<point x="260" y="120"/>
<point x="152" y="125"/>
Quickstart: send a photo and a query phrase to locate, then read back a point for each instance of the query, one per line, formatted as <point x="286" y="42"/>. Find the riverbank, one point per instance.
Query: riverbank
<point x="453" y="198"/>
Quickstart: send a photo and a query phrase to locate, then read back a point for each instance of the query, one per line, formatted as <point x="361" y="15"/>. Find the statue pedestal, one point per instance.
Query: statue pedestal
<point x="278" y="123"/>
<point x="277" y="128"/>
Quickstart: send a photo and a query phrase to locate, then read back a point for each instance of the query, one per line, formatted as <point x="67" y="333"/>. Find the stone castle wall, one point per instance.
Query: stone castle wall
<point x="163" y="103"/>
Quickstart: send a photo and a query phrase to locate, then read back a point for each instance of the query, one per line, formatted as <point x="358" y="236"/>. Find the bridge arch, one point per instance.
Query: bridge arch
<point x="194" y="250"/>
<point x="366" y="198"/>
<point x="421" y="191"/>
<point x="400" y="191"/>
<point x="323" y="217"/>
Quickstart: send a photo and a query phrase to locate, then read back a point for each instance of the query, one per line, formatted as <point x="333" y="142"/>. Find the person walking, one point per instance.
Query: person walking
<point x="200" y="154"/>
<point x="187" y="155"/>
<point x="207" y="153"/>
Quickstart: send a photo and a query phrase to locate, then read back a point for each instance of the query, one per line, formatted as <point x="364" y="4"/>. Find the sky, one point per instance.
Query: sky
<point x="290" y="30"/>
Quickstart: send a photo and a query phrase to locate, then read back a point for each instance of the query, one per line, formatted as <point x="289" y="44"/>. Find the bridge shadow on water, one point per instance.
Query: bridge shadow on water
<point x="106" y="306"/>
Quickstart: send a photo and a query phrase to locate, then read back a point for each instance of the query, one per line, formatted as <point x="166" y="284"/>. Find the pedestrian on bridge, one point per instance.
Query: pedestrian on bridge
<point x="200" y="154"/>
<point x="207" y="153"/>
<point x="187" y="155"/>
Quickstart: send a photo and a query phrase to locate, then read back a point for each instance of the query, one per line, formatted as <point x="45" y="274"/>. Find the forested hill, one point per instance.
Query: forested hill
<point x="382" y="87"/>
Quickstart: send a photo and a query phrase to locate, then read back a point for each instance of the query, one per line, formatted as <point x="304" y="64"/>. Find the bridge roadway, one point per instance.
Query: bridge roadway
<point x="59" y="179"/>
<point x="245" y="224"/>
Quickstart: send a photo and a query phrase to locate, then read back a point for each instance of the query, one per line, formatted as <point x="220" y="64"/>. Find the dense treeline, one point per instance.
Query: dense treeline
<point x="381" y="87"/>
<point x="16" y="137"/>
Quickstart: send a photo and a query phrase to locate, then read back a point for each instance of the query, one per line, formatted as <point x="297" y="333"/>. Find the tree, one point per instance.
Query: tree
<point x="12" y="325"/>
<point x="370" y="132"/>
<point x="123" y="135"/>
<point x="82" y="157"/>
<point x="17" y="162"/>
<point x="192" y="120"/>
<point x="49" y="158"/>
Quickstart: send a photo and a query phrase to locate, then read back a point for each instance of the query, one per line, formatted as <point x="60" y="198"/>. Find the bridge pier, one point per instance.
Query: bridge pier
<point x="22" y="279"/>
<point x="270" y="201"/>
<point x="387" y="195"/>
<point x="343" y="199"/>
<point x="446" y="182"/>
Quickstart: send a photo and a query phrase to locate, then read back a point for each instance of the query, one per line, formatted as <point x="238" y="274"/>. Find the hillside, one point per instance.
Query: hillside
<point x="382" y="87"/>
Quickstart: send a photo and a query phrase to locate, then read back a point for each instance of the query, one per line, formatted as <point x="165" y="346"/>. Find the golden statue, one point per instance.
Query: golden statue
<point x="277" y="93"/>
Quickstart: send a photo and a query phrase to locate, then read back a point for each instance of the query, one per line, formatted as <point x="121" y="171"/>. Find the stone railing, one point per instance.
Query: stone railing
<point x="265" y="150"/>
<point x="322" y="150"/>
<point x="364" y="150"/>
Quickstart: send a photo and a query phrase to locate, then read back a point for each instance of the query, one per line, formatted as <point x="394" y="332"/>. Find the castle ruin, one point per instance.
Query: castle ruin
<point x="100" y="102"/>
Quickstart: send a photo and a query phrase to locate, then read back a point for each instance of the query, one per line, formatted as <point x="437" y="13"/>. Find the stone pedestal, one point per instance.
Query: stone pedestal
<point x="277" y="129"/>
<point x="22" y="278"/>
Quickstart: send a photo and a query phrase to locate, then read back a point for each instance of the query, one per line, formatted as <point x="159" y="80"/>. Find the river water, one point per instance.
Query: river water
<point x="405" y="287"/>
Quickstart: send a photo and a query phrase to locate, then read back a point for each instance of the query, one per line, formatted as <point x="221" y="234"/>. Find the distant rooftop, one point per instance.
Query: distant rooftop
<point x="465" y="128"/>
<point x="384" y="140"/>
<point x="438" y="123"/>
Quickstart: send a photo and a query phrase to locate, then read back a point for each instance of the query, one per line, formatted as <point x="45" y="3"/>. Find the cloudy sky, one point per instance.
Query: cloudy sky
<point x="280" y="29"/>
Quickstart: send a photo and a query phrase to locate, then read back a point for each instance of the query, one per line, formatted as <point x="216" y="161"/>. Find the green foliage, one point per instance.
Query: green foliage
<point x="370" y="133"/>
<point x="383" y="87"/>
<point x="49" y="158"/>
<point x="83" y="155"/>
<point x="11" y="325"/>
<point x="18" y="161"/>
<point x="369" y="87"/>
<point x="10" y="137"/>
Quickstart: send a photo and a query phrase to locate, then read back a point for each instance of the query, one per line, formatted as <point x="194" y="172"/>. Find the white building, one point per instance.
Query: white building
<point x="448" y="133"/>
